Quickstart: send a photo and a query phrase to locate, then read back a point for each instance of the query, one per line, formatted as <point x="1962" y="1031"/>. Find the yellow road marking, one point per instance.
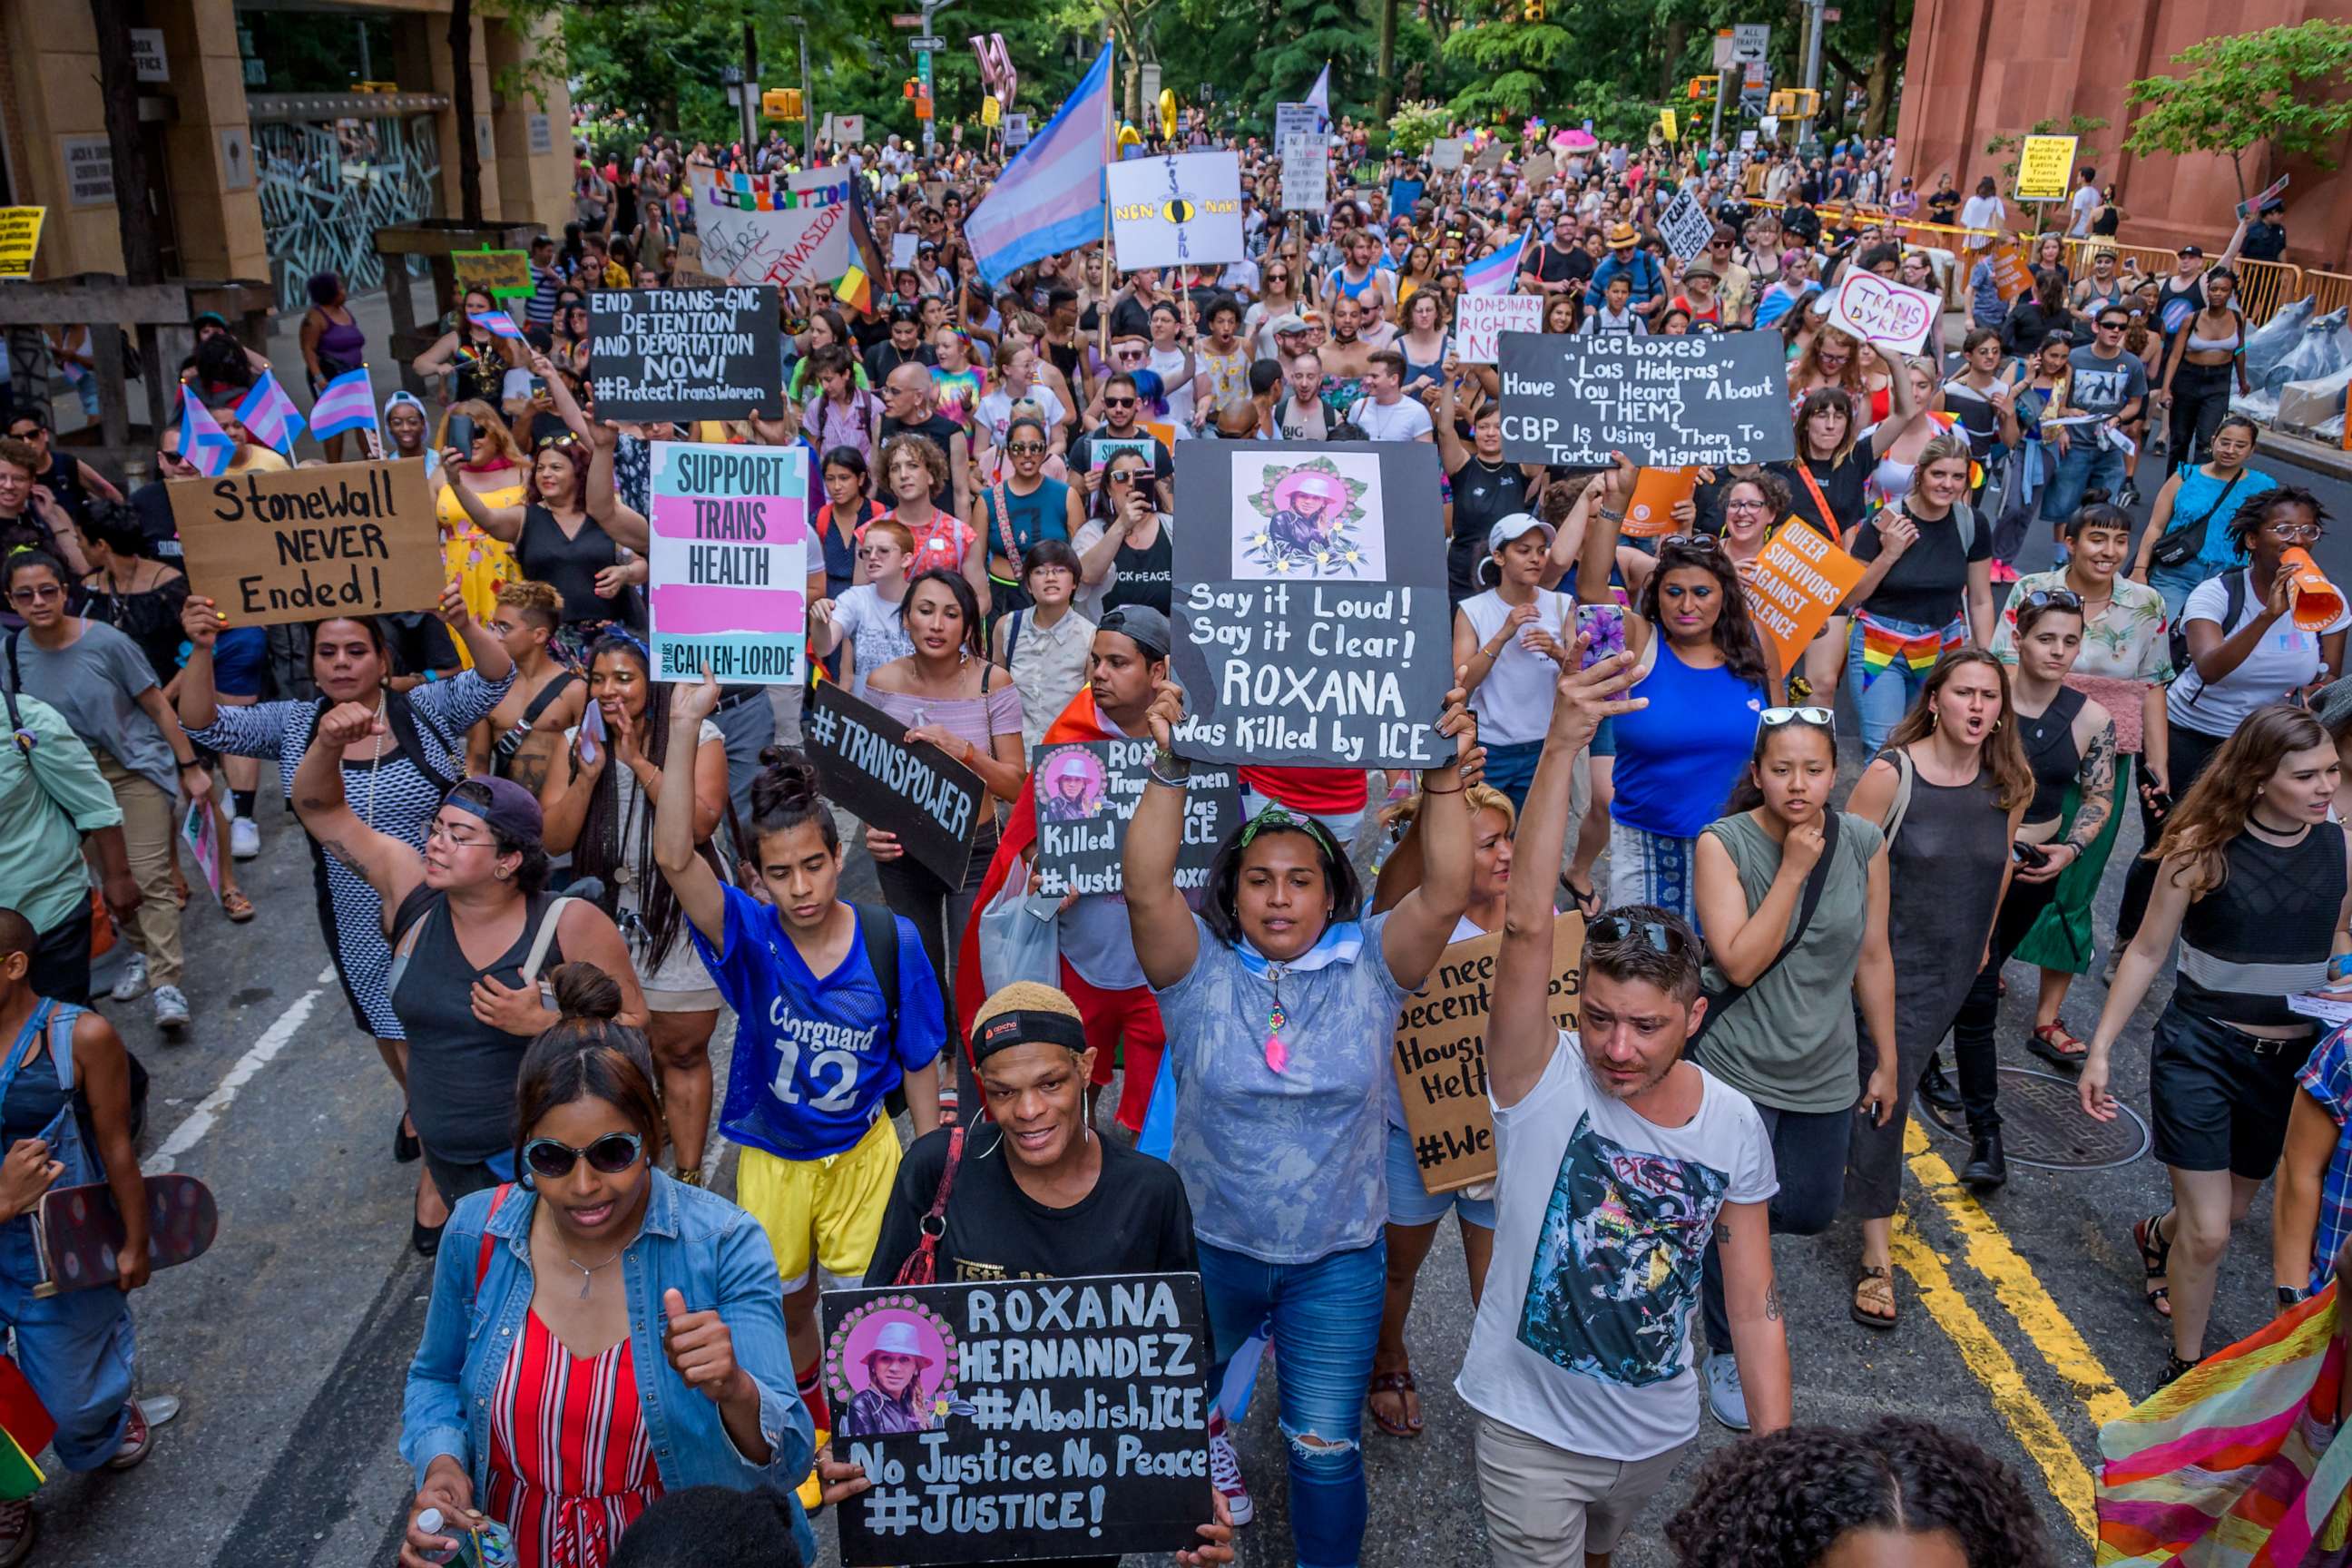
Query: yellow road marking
<point x="2019" y="1408"/>
<point x="1990" y="1252"/>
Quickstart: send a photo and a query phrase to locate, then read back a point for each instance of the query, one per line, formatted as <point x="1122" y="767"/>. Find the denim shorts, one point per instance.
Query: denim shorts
<point x="1409" y="1203"/>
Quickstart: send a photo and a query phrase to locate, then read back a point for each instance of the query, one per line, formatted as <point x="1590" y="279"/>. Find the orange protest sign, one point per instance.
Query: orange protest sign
<point x="1793" y="584"/>
<point x="1650" y="512"/>
<point x="2010" y="273"/>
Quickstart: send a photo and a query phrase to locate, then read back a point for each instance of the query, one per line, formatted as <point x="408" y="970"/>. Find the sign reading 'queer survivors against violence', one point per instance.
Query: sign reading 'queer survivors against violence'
<point x="1440" y="1053"/>
<point x="342" y="538"/>
<point x="1087" y="794"/>
<point x="931" y="802"/>
<point x="1667" y="403"/>
<point x="1020" y="1419"/>
<point x="729" y="562"/>
<point x="671" y="355"/>
<point x="1796" y="580"/>
<point x="1311" y="622"/>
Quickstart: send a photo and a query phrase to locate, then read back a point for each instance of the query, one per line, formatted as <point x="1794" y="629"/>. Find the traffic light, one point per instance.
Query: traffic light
<point x="1795" y="103"/>
<point x="1702" y="86"/>
<point x="1531" y="11"/>
<point x="780" y="103"/>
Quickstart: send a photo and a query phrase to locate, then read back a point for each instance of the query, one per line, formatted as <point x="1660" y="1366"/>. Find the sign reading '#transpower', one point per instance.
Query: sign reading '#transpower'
<point x="342" y="539"/>
<point x="1013" y="1420"/>
<point x="1667" y="403"/>
<point x="729" y="562"/>
<point x="933" y="803"/>
<point x="670" y="355"/>
<point x="1311" y="622"/>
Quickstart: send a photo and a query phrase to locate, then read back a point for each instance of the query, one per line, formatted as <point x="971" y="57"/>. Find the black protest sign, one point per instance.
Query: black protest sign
<point x="673" y="355"/>
<point x="1015" y="1420"/>
<point x="1087" y="794"/>
<point x="934" y="803"/>
<point x="1311" y="621"/>
<point x="1667" y="403"/>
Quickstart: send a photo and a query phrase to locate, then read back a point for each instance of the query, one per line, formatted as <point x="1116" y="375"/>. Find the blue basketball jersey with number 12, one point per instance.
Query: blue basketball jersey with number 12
<point x="811" y="1065"/>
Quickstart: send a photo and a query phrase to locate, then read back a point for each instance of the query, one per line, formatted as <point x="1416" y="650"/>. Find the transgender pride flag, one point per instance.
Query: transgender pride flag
<point x="270" y="416"/>
<point x="1050" y="198"/>
<point x="1495" y="274"/>
<point x="498" y="323"/>
<point x="345" y="404"/>
<point x="202" y="440"/>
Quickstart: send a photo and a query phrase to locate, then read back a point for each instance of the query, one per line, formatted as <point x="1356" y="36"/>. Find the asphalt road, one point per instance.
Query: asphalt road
<point x="2021" y="1318"/>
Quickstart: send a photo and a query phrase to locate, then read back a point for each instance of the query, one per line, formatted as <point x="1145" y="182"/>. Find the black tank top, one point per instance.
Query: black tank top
<point x="2264" y="934"/>
<point x="2050" y="751"/>
<point x="1146" y="577"/>
<point x="461" y="1071"/>
<point x="1482" y="497"/>
<point x="570" y="564"/>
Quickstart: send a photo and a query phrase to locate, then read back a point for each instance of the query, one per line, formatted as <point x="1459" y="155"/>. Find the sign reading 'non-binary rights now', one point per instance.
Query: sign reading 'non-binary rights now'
<point x="727" y="563"/>
<point x="1667" y="403"/>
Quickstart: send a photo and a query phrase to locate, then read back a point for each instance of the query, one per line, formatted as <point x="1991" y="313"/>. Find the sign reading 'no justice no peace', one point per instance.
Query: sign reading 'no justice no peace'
<point x="1665" y="403"/>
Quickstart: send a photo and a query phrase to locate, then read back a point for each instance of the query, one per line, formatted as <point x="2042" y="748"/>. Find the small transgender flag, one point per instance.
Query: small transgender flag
<point x="270" y="416"/>
<point x="202" y="440"/>
<point x="344" y="403"/>
<point x="1495" y="274"/>
<point x="498" y="323"/>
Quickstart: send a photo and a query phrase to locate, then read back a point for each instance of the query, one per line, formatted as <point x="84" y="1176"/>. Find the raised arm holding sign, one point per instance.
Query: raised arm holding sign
<point x="1665" y="402"/>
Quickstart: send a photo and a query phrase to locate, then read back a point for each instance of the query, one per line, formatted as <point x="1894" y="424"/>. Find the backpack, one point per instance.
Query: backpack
<point x="877" y="927"/>
<point x="2233" y="604"/>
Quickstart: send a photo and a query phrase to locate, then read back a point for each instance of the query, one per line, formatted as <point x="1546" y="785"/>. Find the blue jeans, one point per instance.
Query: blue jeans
<point x="2087" y="465"/>
<point x="77" y="1350"/>
<point x="1327" y="1320"/>
<point x="1881" y="698"/>
<point x="1512" y="768"/>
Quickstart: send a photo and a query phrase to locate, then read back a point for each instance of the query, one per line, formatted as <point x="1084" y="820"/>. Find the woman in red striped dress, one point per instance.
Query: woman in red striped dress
<point x="571" y="1464"/>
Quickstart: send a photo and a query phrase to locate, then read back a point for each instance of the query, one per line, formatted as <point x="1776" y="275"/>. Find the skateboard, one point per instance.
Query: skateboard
<point x="78" y="1231"/>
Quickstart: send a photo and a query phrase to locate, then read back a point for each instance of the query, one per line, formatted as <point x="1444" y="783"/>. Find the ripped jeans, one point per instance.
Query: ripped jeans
<point x="1327" y="1319"/>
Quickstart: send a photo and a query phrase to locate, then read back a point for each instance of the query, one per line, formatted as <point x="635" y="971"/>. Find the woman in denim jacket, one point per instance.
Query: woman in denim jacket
<point x="657" y="1304"/>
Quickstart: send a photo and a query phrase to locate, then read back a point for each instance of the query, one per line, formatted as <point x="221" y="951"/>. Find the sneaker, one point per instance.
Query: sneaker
<point x="2129" y="496"/>
<point x="134" y="981"/>
<point x="171" y="1008"/>
<point x="812" y="1490"/>
<point x="1726" y="1401"/>
<point x="243" y="838"/>
<point x="1225" y="1475"/>
<point x="15" y="1531"/>
<point x="138" y="1438"/>
<point x="2002" y="572"/>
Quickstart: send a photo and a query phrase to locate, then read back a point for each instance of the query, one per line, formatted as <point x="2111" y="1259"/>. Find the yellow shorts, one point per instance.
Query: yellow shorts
<point x="826" y="1210"/>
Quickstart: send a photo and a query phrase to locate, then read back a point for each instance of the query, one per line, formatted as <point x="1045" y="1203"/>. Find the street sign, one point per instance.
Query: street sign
<point x="1754" y="75"/>
<point x="1723" y="60"/>
<point x="907" y="19"/>
<point x="1750" y="40"/>
<point x="926" y="44"/>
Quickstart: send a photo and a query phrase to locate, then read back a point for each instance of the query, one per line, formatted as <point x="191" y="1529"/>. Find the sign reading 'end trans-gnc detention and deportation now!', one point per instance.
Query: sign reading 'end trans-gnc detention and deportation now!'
<point x="1667" y="403"/>
<point x="728" y="563"/>
<point x="342" y="538"/>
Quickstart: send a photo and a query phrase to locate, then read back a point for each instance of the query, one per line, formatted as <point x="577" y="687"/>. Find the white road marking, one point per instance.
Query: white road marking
<point x="209" y="1110"/>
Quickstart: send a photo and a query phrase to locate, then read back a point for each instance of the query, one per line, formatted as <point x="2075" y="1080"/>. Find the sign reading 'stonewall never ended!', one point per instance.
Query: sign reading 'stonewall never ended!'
<point x="302" y="544"/>
<point x="1667" y="403"/>
<point x="728" y="563"/>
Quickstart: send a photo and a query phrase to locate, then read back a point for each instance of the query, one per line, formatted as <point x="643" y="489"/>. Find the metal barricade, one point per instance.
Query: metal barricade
<point x="2264" y="286"/>
<point x="2329" y="290"/>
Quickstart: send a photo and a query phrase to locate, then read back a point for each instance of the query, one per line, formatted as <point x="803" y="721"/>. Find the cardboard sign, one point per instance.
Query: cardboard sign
<point x="1296" y="120"/>
<point x="500" y="274"/>
<point x="342" y="538"/>
<point x="1440" y="1053"/>
<point x="1086" y="795"/>
<point x="729" y="562"/>
<point x="1306" y="174"/>
<point x="1537" y="171"/>
<point x="1650" y="510"/>
<point x="1667" y="403"/>
<point x="792" y="229"/>
<point x="20" y="236"/>
<point x="1180" y="211"/>
<point x="1794" y="585"/>
<point x="2044" y="166"/>
<point x="1883" y="312"/>
<point x="1015" y="1420"/>
<point x="1311" y="620"/>
<point x="1445" y="154"/>
<point x="1684" y="225"/>
<point x="1481" y="318"/>
<point x="1490" y="157"/>
<point x="676" y="355"/>
<point x="934" y="803"/>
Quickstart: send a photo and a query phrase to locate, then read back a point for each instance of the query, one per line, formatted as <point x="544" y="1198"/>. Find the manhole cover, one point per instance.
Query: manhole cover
<point x="2043" y="1124"/>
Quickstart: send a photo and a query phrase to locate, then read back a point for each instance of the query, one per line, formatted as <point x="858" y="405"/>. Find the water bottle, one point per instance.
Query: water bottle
<point x="483" y="1543"/>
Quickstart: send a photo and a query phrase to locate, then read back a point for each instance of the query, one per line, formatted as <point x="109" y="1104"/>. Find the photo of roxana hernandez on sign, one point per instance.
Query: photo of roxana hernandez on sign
<point x="1310" y="627"/>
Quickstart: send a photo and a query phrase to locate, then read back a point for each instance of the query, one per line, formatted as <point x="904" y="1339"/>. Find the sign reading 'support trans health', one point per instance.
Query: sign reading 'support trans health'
<point x="1015" y="1420"/>
<point x="1311" y="622"/>
<point x="670" y="355"/>
<point x="340" y="539"/>
<point x="728" y="563"/>
<point x="1667" y="403"/>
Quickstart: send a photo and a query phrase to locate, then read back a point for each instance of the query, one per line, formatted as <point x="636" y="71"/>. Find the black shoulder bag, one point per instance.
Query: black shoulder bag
<point x="2182" y="543"/>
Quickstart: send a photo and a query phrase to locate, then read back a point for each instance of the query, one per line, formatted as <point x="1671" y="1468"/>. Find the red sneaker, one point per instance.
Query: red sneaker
<point x="138" y="1438"/>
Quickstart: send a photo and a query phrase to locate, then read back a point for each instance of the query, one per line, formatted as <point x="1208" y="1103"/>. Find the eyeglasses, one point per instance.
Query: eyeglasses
<point x="1655" y="935"/>
<point x="1125" y="476"/>
<point x="1746" y="506"/>
<point x="2295" y="532"/>
<point x="448" y="836"/>
<point x="1820" y="718"/>
<point x="609" y="1155"/>
<point x="38" y="594"/>
<point x="2052" y="599"/>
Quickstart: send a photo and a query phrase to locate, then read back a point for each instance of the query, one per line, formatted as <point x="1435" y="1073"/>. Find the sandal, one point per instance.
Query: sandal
<point x="2058" y="1046"/>
<point x="1587" y="902"/>
<point x="236" y="906"/>
<point x="1873" y="1286"/>
<point x="1399" y="1384"/>
<point x="2174" y="1366"/>
<point x="2155" y="1260"/>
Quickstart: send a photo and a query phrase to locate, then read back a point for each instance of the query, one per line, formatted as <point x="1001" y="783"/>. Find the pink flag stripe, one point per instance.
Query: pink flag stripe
<point x="786" y="516"/>
<point x="686" y="610"/>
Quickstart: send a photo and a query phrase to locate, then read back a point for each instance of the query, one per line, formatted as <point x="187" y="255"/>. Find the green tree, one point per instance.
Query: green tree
<point x="2283" y="86"/>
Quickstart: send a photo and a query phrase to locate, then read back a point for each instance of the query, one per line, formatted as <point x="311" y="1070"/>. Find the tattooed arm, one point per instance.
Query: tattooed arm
<point x="391" y="866"/>
<point x="2096" y="782"/>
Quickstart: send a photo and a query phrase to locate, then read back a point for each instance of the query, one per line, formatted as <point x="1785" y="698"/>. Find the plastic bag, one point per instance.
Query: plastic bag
<point x="2325" y="348"/>
<point x="2312" y="405"/>
<point x="2268" y="343"/>
<point x="1018" y="939"/>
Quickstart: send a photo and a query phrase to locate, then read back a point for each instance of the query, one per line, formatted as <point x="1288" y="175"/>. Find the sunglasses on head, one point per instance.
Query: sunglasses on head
<point x="609" y="1155"/>
<point x="2053" y="599"/>
<point x="1691" y="543"/>
<point x="1609" y="930"/>
<point x="1820" y="718"/>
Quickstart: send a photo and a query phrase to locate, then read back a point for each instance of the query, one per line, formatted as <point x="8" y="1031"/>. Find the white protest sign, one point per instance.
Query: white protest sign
<point x="903" y="248"/>
<point x="1684" y="225"/>
<point x="1445" y="154"/>
<point x="1482" y="319"/>
<point x="1306" y="174"/>
<point x="1016" y="128"/>
<point x="1180" y="211"/>
<point x="1883" y="312"/>
<point x="1296" y="120"/>
<point x="802" y="236"/>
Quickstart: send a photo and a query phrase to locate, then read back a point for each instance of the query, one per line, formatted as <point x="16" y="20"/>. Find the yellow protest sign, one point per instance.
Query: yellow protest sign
<point x="20" y="236"/>
<point x="1666" y="123"/>
<point x="991" y="111"/>
<point x="2045" y="164"/>
<point x="1793" y="584"/>
<point x="501" y="274"/>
